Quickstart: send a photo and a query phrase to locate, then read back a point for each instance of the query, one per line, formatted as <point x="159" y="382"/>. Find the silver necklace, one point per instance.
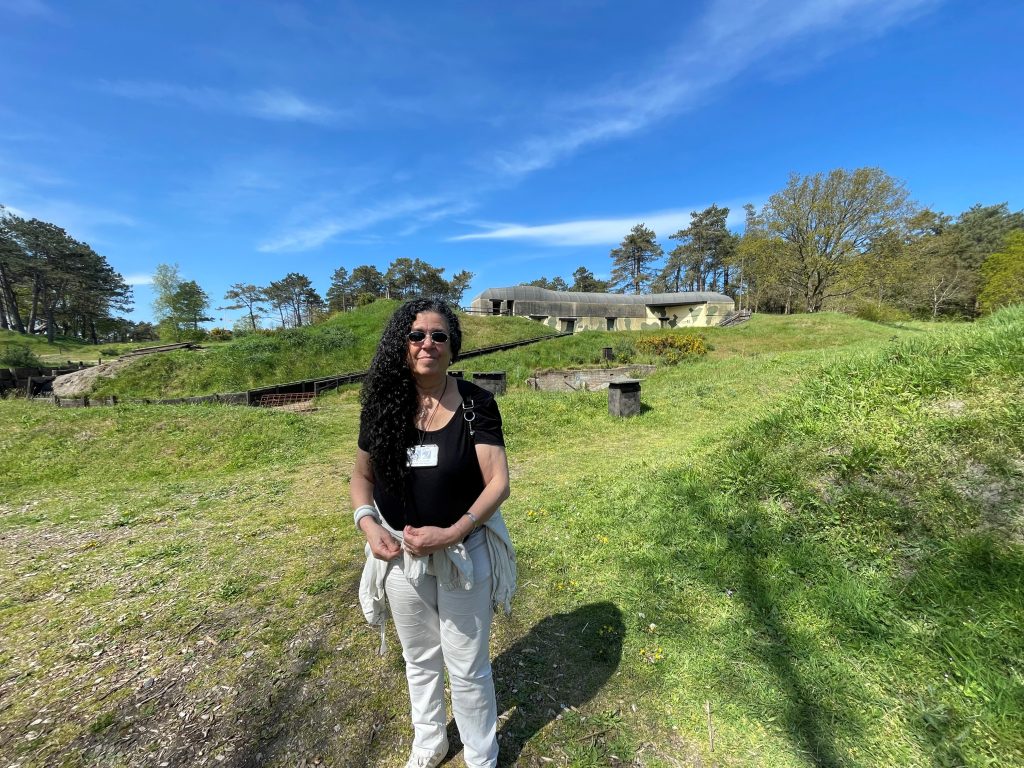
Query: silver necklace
<point x="430" y="418"/>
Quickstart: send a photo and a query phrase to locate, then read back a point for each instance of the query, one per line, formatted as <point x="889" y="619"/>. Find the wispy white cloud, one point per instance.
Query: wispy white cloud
<point x="608" y="231"/>
<point x="314" y="234"/>
<point x="282" y="105"/>
<point x="731" y="39"/>
<point x="83" y="222"/>
<point x="139" y="279"/>
<point x="274" y="104"/>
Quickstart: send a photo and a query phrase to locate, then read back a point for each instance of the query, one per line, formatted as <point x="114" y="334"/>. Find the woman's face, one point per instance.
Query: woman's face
<point x="429" y="358"/>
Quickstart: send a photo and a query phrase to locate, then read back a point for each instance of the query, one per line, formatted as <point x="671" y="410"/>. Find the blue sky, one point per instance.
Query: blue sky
<point x="246" y="141"/>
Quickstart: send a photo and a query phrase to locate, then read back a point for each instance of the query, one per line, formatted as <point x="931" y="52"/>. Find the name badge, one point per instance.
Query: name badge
<point x="423" y="456"/>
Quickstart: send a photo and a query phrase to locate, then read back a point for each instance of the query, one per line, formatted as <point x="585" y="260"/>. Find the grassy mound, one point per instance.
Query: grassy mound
<point x="846" y="574"/>
<point x="819" y="536"/>
<point x="345" y="342"/>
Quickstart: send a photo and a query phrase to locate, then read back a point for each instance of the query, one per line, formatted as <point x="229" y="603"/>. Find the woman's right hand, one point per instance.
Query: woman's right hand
<point x="383" y="545"/>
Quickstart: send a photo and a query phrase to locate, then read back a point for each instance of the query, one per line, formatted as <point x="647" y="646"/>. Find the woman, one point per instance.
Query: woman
<point x="430" y="473"/>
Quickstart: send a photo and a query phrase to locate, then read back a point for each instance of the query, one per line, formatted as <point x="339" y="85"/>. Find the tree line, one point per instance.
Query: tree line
<point x="181" y="306"/>
<point x="836" y="240"/>
<point x="53" y="284"/>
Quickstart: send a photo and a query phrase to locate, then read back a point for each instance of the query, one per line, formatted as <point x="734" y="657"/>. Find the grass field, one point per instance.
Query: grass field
<point x="815" y="531"/>
<point x="61" y="351"/>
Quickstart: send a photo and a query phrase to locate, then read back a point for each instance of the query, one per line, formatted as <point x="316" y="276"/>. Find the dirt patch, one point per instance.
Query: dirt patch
<point x="82" y="382"/>
<point x="1001" y="499"/>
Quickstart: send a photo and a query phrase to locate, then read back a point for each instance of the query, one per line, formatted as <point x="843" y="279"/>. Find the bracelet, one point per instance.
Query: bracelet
<point x="472" y="517"/>
<point x="365" y="511"/>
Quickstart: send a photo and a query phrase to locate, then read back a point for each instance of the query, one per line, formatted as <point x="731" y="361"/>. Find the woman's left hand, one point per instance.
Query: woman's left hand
<point x="425" y="540"/>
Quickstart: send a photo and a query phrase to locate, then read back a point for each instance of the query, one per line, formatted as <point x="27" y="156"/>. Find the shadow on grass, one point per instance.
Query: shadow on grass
<point x="882" y="623"/>
<point x="805" y="714"/>
<point x="563" y="661"/>
<point x="789" y="663"/>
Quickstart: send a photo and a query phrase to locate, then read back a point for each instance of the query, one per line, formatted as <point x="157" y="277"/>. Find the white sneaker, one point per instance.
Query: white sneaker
<point x="428" y="761"/>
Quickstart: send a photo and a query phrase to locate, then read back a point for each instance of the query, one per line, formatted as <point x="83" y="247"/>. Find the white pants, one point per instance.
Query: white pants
<point x="439" y="627"/>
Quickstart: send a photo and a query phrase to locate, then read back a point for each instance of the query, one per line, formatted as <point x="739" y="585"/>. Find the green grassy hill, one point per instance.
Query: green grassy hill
<point x="816" y="530"/>
<point x="344" y="343"/>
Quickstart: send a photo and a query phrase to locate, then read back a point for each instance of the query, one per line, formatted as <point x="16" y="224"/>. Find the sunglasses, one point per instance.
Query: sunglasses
<point x="418" y="337"/>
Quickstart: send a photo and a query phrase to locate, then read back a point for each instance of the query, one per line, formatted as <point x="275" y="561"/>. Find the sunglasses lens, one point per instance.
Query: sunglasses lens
<point x="438" y="337"/>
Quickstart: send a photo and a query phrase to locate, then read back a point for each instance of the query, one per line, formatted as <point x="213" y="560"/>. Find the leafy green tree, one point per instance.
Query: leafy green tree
<point x="123" y="330"/>
<point x="981" y="230"/>
<point x="829" y="221"/>
<point x="339" y="295"/>
<point x="189" y="307"/>
<point x="458" y="285"/>
<point x="49" y="280"/>
<point x="13" y="267"/>
<point x="367" y="280"/>
<point x="554" y="284"/>
<point x="179" y="306"/>
<point x="702" y="259"/>
<point x="295" y="299"/>
<point x="403" y="279"/>
<point x="927" y="275"/>
<point x="166" y="279"/>
<point x="90" y="293"/>
<point x="407" y="278"/>
<point x="1002" y="275"/>
<point x="583" y="281"/>
<point x="633" y="259"/>
<point x="249" y="297"/>
<point x="762" y="264"/>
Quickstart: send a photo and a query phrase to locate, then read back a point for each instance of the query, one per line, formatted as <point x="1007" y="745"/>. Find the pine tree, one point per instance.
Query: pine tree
<point x="633" y="259"/>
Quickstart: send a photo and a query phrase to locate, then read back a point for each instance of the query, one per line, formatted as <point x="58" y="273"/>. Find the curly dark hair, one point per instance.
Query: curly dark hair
<point x="389" y="397"/>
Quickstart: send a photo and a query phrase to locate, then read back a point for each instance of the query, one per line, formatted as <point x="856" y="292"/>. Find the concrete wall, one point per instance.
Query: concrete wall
<point x="689" y="315"/>
<point x="589" y="379"/>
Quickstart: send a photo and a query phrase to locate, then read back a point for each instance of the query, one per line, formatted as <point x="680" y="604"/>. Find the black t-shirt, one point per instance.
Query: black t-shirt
<point x="440" y="495"/>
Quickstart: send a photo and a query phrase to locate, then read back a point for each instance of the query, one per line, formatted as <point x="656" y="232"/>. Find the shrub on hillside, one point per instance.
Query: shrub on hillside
<point x="673" y="349"/>
<point x="879" y="313"/>
<point x="220" y="334"/>
<point x="19" y="356"/>
<point x="623" y="350"/>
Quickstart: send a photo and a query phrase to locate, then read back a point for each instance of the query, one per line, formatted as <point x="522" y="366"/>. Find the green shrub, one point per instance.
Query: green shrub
<point x="623" y="350"/>
<point x="220" y="334"/>
<point x="19" y="356"/>
<point x="879" y="313"/>
<point x="673" y="349"/>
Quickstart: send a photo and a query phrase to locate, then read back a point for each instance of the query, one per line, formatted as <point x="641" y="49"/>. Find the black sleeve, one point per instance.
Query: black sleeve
<point x="487" y="423"/>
